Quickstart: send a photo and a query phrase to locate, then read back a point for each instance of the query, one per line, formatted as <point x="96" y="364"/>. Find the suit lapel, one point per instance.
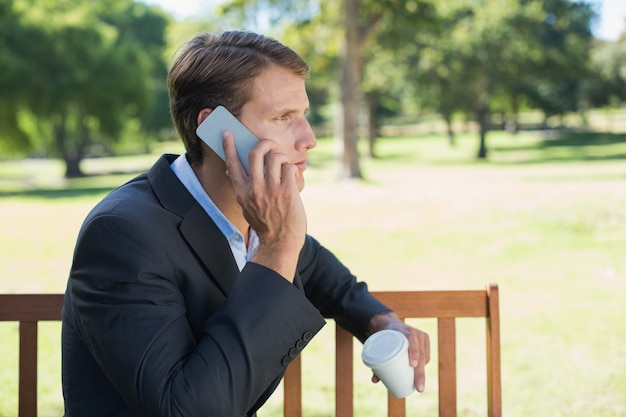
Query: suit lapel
<point x="297" y="281"/>
<point x="196" y="227"/>
<point x="211" y="247"/>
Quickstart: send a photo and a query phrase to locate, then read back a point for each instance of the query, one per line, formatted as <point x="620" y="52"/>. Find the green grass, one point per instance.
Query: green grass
<point x="544" y="217"/>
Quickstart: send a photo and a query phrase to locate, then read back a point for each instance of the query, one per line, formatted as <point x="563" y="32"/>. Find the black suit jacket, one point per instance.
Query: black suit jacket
<point x="159" y="321"/>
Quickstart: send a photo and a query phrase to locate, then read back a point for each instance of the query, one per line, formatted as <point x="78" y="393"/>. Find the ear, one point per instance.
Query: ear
<point x="204" y="113"/>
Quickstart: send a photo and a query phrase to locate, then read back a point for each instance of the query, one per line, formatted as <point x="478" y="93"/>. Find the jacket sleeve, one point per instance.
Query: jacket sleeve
<point x="333" y="289"/>
<point x="129" y="312"/>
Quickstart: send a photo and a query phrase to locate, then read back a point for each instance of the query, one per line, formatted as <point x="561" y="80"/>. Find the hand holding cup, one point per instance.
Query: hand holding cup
<point x="386" y="353"/>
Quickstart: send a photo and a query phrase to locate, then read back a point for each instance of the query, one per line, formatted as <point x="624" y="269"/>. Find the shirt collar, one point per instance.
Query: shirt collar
<point x="187" y="176"/>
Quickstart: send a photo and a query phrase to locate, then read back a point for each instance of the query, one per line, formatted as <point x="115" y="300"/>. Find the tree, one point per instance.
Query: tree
<point x="440" y="70"/>
<point x="477" y="57"/>
<point x="89" y="71"/>
<point x="493" y="55"/>
<point x="366" y="23"/>
<point x="360" y="25"/>
<point x="557" y="47"/>
<point x="390" y="57"/>
<point x="350" y="76"/>
<point x="607" y="86"/>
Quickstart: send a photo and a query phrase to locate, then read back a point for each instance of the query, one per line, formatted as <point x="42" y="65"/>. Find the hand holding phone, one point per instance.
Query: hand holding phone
<point x="214" y="126"/>
<point x="269" y="197"/>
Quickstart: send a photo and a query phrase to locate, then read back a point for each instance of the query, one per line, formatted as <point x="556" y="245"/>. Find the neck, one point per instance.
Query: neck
<point x="212" y="176"/>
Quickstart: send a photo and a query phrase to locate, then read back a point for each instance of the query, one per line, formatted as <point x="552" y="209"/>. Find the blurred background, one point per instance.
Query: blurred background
<point x="460" y="142"/>
<point x="83" y="79"/>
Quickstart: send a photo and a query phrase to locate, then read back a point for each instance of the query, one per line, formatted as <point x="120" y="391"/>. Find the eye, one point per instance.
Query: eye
<point x="283" y="117"/>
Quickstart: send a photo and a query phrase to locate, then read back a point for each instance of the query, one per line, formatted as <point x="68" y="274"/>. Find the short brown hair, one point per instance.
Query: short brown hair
<point x="218" y="69"/>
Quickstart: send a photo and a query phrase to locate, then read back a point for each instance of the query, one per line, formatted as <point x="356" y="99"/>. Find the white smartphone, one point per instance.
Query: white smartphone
<point x="216" y="123"/>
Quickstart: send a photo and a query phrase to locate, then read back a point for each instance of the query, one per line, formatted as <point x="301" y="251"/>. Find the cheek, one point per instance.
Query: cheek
<point x="285" y="143"/>
<point x="280" y="137"/>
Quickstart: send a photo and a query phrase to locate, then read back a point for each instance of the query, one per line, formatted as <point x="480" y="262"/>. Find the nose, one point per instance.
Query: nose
<point x="306" y="137"/>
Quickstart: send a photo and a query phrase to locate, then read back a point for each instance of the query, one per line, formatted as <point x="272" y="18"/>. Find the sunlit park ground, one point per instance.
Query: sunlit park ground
<point x="544" y="217"/>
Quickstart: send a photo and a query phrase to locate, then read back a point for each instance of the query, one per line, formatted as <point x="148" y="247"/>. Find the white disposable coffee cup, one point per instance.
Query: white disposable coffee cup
<point x="387" y="353"/>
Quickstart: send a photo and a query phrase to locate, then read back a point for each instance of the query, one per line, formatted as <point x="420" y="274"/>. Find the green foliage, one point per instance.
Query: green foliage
<point x="76" y="80"/>
<point x="453" y="56"/>
<point x="82" y="74"/>
<point x="608" y="85"/>
<point x="506" y="51"/>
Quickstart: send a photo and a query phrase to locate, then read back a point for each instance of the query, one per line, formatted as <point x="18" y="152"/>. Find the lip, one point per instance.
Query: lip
<point x="301" y="165"/>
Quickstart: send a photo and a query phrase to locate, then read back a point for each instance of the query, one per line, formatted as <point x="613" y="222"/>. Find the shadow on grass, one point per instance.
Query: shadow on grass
<point x="558" y="145"/>
<point x="578" y="139"/>
<point x="57" y="193"/>
<point x="570" y="157"/>
<point x="89" y="185"/>
<point x="572" y="146"/>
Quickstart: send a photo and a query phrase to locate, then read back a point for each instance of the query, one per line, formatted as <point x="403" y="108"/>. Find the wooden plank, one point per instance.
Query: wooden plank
<point x="494" y="383"/>
<point x="446" y="341"/>
<point x="396" y="407"/>
<point x="429" y="304"/>
<point x="28" y="370"/>
<point x="292" y="395"/>
<point x="30" y="307"/>
<point x="344" y="373"/>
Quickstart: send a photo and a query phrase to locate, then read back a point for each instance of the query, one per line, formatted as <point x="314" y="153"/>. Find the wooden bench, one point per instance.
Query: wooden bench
<point x="446" y="306"/>
<point x="28" y="310"/>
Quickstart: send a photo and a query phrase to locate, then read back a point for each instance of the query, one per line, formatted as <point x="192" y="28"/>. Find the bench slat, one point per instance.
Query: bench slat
<point x="28" y="369"/>
<point x="430" y="304"/>
<point x="446" y="341"/>
<point x="30" y="307"/>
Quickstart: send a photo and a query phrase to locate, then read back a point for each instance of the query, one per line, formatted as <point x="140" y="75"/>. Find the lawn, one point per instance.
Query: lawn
<point x="544" y="217"/>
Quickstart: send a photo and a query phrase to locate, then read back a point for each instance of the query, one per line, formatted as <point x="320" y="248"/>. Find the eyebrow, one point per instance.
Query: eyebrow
<point x="290" y="110"/>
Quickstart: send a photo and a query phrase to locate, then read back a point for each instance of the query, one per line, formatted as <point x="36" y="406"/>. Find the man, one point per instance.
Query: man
<point x="193" y="286"/>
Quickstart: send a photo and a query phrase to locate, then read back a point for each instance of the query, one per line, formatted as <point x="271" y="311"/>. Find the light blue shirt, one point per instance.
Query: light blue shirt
<point x="241" y="253"/>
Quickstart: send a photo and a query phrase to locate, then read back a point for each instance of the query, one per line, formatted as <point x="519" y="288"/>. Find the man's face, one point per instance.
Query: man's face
<point x="277" y="111"/>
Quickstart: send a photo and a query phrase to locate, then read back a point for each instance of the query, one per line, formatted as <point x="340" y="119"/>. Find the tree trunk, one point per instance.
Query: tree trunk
<point x="451" y="137"/>
<point x="511" y="123"/>
<point x="350" y="75"/>
<point x="482" y="111"/>
<point x="72" y="167"/>
<point x="72" y="156"/>
<point x="372" y="123"/>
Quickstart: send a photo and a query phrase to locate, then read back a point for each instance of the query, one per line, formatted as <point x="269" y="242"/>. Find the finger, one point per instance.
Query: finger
<point x="257" y="160"/>
<point x="375" y="379"/>
<point x="417" y="358"/>
<point x="426" y="344"/>
<point x="423" y="357"/>
<point x="420" y="377"/>
<point x="234" y="168"/>
<point x="289" y="174"/>
<point x="274" y="167"/>
<point x="415" y="350"/>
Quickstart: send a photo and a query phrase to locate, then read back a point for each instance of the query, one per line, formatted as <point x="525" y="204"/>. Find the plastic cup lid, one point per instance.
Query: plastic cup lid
<point x="382" y="347"/>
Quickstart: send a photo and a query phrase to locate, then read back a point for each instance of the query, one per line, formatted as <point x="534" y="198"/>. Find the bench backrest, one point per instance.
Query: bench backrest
<point x="445" y="306"/>
<point x="28" y="310"/>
